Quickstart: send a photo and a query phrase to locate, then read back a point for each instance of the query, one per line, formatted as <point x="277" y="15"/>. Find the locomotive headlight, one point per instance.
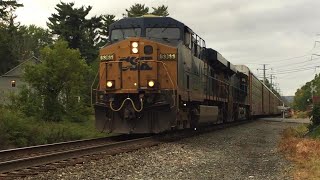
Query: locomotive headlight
<point x="135" y="50"/>
<point x="134" y="47"/>
<point x="110" y="84"/>
<point x="151" y="83"/>
<point x="134" y="44"/>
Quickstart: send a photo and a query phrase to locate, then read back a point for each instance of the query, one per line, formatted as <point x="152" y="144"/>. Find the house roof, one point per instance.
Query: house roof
<point x="14" y="71"/>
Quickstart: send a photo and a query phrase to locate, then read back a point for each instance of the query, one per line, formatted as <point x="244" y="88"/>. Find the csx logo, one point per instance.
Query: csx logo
<point x="134" y="65"/>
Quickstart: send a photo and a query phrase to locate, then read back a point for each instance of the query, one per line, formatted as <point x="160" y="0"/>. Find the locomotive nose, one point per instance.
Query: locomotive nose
<point x="133" y="67"/>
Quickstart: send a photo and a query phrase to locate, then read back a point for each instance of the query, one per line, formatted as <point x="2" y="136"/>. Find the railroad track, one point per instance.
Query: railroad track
<point x="22" y="162"/>
<point x="28" y="161"/>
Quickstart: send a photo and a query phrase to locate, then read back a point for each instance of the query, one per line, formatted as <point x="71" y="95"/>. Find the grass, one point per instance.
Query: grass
<point x="17" y="130"/>
<point x="315" y="133"/>
<point x="304" y="152"/>
<point x="300" y="114"/>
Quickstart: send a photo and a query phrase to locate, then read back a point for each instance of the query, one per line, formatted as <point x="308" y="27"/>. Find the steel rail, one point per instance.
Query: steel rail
<point x="4" y="154"/>
<point x="112" y="148"/>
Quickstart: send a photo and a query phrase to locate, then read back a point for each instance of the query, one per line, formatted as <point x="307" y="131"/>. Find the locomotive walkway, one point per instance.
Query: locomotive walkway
<point x="248" y="151"/>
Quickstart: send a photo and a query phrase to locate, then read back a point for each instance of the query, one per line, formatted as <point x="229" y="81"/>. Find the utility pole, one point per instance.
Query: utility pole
<point x="271" y="78"/>
<point x="264" y="72"/>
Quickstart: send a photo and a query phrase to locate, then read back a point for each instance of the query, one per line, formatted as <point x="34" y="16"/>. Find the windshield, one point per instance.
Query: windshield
<point x="119" y="34"/>
<point x="163" y="33"/>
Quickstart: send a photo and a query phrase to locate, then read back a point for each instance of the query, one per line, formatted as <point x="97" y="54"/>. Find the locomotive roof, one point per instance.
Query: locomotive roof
<point x="217" y="60"/>
<point x="154" y="21"/>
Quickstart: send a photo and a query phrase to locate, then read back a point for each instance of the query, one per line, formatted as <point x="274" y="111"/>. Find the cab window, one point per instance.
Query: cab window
<point x="120" y="34"/>
<point x="163" y="33"/>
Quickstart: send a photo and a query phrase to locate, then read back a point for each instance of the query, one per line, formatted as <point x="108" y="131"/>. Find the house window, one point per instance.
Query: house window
<point x="13" y="83"/>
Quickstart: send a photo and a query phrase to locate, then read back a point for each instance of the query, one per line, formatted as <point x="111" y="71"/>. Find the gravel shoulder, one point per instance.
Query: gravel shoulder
<point x="248" y="151"/>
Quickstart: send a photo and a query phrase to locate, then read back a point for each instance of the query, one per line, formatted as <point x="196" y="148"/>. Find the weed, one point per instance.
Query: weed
<point x="17" y="130"/>
<point x="304" y="152"/>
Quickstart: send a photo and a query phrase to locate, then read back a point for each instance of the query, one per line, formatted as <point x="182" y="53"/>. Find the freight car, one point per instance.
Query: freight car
<point x="156" y="75"/>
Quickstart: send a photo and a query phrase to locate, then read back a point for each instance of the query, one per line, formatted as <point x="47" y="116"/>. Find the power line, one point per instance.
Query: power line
<point x="298" y="70"/>
<point x="307" y="61"/>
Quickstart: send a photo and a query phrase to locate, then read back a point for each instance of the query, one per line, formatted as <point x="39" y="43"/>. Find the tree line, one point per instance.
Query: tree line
<point x="72" y="24"/>
<point x="59" y="86"/>
<point x="303" y="96"/>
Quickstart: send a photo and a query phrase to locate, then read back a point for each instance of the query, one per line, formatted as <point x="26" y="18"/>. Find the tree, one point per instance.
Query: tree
<point x="138" y="10"/>
<point x="91" y="37"/>
<point x="60" y="81"/>
<point x="7" y="8"/>
<point x="303" y="95"/>
<point x="160" y="11"/>
<point x="107" y="19"/>
<point x="7" y="60"/>
<point x="315" y="115"/>
<point x="29" y="40"/>
<point x="70" y="24"/>
<point x="8" y="30"/>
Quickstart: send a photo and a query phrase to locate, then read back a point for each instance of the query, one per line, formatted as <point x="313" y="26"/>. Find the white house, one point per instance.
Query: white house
<point x="11" y="80"/>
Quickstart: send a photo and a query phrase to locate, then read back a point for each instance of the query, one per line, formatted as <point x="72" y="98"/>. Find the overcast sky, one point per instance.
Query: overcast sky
<point x="281" y="34"/>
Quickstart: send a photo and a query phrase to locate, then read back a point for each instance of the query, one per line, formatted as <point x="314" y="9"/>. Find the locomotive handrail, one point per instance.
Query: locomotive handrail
<point x="92" y="87"/>
<point x="174" y="96"/>
<point x="96" y="98"/>
<point x="217" y="79"/>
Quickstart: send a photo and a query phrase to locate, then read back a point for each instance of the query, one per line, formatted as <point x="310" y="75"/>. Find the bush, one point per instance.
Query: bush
<point x="59" y="80"/>
<point x="301" y="114"/>
<point x="26" y="101"/>
<point x="17" y="130"/>
<point x="299" y="131"/>
<point x="315" y="133"/>
<point x="315" y="115"/>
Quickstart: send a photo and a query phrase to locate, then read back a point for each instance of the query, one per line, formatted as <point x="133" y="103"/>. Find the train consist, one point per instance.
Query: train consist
<point x="156" y="75"/>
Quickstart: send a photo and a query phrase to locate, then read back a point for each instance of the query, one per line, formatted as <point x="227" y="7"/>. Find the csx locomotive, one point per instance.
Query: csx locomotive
<point x="156" y="75"/>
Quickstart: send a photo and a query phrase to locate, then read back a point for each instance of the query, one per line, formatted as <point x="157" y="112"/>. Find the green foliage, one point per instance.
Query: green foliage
<point x="27" y="102"/>
<point x="70" y="24"/>
<point x="138" y="10"/>
<point x="299" y="131"/>
<point x="315" y="115"/>
<point x="7" y="7"/>
<point x="160" y="11"/>
<point x="60" y="81"/>
<point x="7" y="60"/>
<point x="18" y="130"/>
<point x="301" y="114"/>
<point x="107" y="19"/>
<point x="303" y="96"/>
<point x="29" y="40"/>
<point x="315" y="133"/>
<point x="18" y="43"/>
<point x="8" y="30"/>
